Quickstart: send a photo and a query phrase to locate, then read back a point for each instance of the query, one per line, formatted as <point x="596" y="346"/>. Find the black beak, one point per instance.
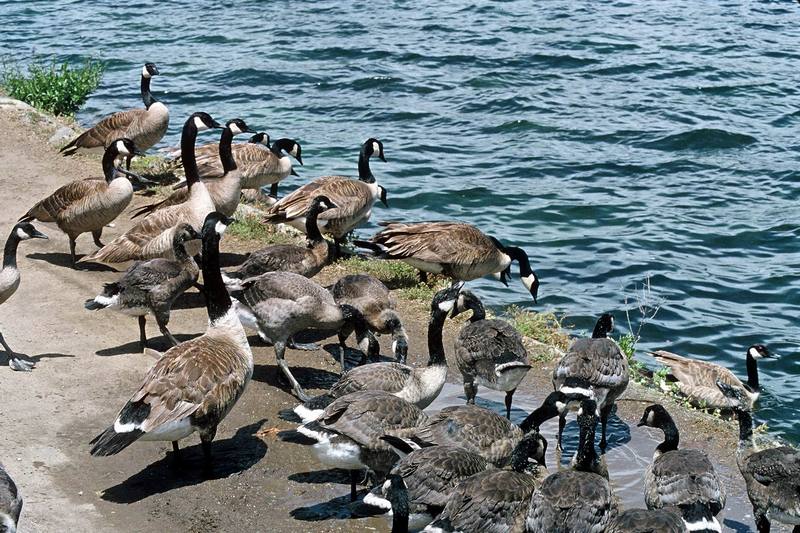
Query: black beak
<point x="299" y="160"/>
<point x="217" y="125"/>
<point x="772" y="355"/>
<point x="137" y="177"/>
<point x="155" y="71"/>
<point x="542" y="462"/>
<point x="384" y="201"/>
<point x="137" y="152"/>
<point x="36" y="234"/>
<point x="641" y="423"/>
<point x="228" y="221"/>
<point x="295" y="173"/>
<point x="382" y="157"/>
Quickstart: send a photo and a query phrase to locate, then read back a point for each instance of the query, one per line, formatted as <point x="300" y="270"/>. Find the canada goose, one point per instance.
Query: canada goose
<point x="474" y="428"/>
<point x="225" y="189"/>
<point x="488" y="352"/>
<point x="212" y="149"/>
<point x="145" y="127"/>
<point x="9" y="282"/>
<point x="698" y="379"/>
<point x="304" y="260"/>
<point x="648" y="521"/>
<point x="681" y="478"/>
<point x="152" y="286"/>
<point x="354" y="198"/>
<point x="10" y="503"/>
<point x="430" y="474"/>
<point x="772" y="476"/>
<point x="578" y="499"/>
<point x="195" y="384"/>
<point x="599" y="361"/>
<point x="397" y="496"/>
<point x="349" y="432"/>
<point x="370" y="296"/>
<point x="419" y="386"/>
<point x="494" y="500"/>
<point x="261" y="164"/>
<point x="88" y="205"/>
<point x="454" y="249"/>
<point x="152" y="236"/>
<point x="280" y="304"/>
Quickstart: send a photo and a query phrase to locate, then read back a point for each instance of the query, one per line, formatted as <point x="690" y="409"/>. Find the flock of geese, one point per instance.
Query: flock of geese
<point x="465" y="468"/>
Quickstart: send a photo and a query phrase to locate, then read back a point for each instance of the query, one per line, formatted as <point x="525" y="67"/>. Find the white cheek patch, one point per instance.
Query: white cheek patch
<point x="22" y="235"/>
<point x="220" y="228"/>
<point x="199" y="124"/>
<point x="447" y="305"/>
<point x="394" y="346"/>
<point x="364" y="345"/>
<point x="294" y="151"/>
<point x="376" y="149"/>
<point x="145" y="73"/>
<point x="650" y="417"/>
<point x="561" y="406"/>
<point x="528" y="281"/>
<point x="122" y="149"/>
<point x="235" y="129"/>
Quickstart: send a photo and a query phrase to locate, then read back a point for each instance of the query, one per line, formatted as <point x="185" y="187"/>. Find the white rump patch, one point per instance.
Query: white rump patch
<point x="176" y="430"/>
<point x="318" y="436"/>
<point x="528" y="281"/>
<point x="199" y="124"/>
<point x="703" y="525"/>
<point x="124" y="428"/>
<point x="122" y="149"/>
<point x="307" y="415"/>
<point x="587" y="393"/>
<point x="377" y="501"/>
<point x="340" y="454"/>
<point x="145" y="73"/>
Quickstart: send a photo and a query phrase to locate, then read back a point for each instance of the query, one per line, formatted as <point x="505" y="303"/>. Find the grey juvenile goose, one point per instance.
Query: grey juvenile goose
<point x="370" y="296"/>
<point x="577" y="499"/>
<point x="305" y="260"/>
<point x="10" y="503"/>
<point x="224" y="189"/>
<point x="681" y="478"/>
<point x="349" y="432"/>
<point x="145" y="127"/>
<point x="195" y="384"/>
<point x="419" y="386"/>
<point x="454" y="249"/>
<point x="84" y="206"/>
<point x="600" y="362"/>
<point x="280" y="304"/>
<point x="9" y="282"/>
<point x="772" y="476"/>
<point x="152" y="286"/>
<point x="152" y="236"/>
<point x="354" y="198"/>
<point x="488" y="352"/>
<point x="495" y="501"/>
<point x="648" y="521"/>
<point x="698" y="379"/>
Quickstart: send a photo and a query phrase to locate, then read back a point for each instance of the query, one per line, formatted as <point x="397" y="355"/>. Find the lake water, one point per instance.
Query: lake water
<point x="614" y="141"/>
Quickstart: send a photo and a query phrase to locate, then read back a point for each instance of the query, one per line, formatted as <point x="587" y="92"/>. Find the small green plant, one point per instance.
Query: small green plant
<point x="250" y="227"/>
<point x="423" y="292"/>
<point x="50" y="86"/>
<point x="155" y="168"/>
<point x="394" y="274"/>
<point x="544" y="327"/>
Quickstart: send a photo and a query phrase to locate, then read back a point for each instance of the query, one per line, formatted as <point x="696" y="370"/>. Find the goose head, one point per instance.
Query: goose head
<point x="468" y="301"/>
<point x="123" y="147"/>
<point x="203" y="121"/>
<point x="374" y="147"/>
<point x="238" y="126"/>
<point x="215" y="225"/>
<point x="25" y="231"/>
<point x="149" y="70"/>
<point x="655" y="416"/>
<point x="397" y="494"/>
<point x="321" y="204"/>
<point x="260" y="138"/>
<point x="759" y="351"/>
<point x="526" y="274"/>
<point x="185" y="233"/>
<point x="531" y="449"/>
<point x="445" y="300"/>
<point x="603" y="327"/>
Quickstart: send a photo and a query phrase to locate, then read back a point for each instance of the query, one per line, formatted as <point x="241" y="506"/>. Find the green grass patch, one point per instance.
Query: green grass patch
<point x="155" y="168"/>
<point x="56" y="88"/>
<point x="394" y="274"/>
<point x="250" y="227"/>
<point x="423" y="292"/>
<point x="543" y="327"/>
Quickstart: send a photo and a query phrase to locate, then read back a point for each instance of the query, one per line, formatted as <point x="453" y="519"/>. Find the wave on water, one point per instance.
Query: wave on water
<point x="701" y="139"/>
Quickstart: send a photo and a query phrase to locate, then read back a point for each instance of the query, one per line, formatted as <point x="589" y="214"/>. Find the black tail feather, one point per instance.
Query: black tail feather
<point x="91" y="305"/>
<point x="110" y="442"/>
<point x="319" y="402"/>
<point x="398" y="443"/>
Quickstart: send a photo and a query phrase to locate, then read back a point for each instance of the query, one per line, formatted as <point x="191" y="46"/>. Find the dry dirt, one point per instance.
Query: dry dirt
<point x="88" y="365"/>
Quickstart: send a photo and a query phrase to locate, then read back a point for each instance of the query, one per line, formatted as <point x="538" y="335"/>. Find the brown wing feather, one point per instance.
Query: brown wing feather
<point x="437" y="242"/>
<point x="136" y="242"/>
<point x="64" y="199"/>
<point x="295" y="204"/>
<point x="108" y="129"/>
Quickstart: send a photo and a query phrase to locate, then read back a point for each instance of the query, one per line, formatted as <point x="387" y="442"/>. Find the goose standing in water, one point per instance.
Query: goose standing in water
<point x="152" y="236"/>
<point x="9" y="283"/>
<point x="578" y="499"/>
<point x="281" y="304"/>
<point x="489" y="352"/>
<point x="453" y="249"/>
<point x="419" y="386"/>
<point x="772" y="476"/>
<point x="697" y="380"/>
<point x="10" y="503"/>
<point x="145" y="127"/>
<point x="305" y="260"/>
<point x="681" y="478"/>
<point x="195" y="384"/>
<point x="152" y="286"/>
<point x="600" y="362"/>
<point x="83" y="206"/>
<point x="370" y="296"/>
<point x="495" y="501"/>
<point x="224" y="189"/>
<point x="354" y="198"/>
<point x="349" y="431"/>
